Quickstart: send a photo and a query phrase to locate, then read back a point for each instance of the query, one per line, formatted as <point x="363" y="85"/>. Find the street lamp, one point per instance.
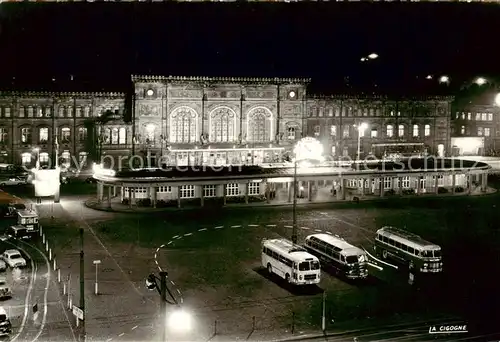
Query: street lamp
<point x="37" y="155"/>
<point x="96" y="263"/>
<point x="361" y="129"/>
<point x="497" y="99"/>
<point x="444" y="79"/>
<point x="373" y="56"/>
<point x="480" y="81"/>
<point x="180" y="321"/>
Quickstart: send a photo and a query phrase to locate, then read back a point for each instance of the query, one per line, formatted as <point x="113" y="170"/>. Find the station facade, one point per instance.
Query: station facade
<point x="213" y="121"/>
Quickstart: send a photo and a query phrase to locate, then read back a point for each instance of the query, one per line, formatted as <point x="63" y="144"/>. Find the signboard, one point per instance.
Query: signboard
<point x="97" y="262"/>
<point x="78" y="312"/>
<point x="46" y="182"/>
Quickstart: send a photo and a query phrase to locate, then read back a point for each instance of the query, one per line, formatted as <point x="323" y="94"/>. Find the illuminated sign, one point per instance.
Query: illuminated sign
<point x="46" y="182"/>
<point x="308" y="148"/>
<point x="448" y="329"/>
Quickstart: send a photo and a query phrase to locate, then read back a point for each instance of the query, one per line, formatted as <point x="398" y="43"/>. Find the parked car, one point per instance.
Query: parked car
<point x="3" y="266"/>
<point x="13" y="181"/>
<point x="5" y="291"/>
<point x="5" y="325"/>
<point x="13" y="258"/>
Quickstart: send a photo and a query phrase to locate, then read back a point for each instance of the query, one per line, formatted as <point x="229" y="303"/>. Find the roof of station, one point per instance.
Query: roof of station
<point x="186" y="173"/>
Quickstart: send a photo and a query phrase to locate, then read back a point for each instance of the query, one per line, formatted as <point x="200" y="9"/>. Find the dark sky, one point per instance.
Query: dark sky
<point x="101" y="44"/>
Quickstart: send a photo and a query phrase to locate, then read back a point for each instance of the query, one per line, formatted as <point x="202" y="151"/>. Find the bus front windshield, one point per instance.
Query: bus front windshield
<point x="432" y="253"/>
<point x="308" y="266"/>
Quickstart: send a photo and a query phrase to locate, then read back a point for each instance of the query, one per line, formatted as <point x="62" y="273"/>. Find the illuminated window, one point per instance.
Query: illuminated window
<point x="114" y="136"/>
<point x="65" y="134"/>
<point x="373" y="133"/>
<point x="183" y="128"/>
<point x="487" y="132"/>
<point x="480" y="131"/>
<point x="43" y="134"/>
<point x="82" y="134"/>
<point x="69" y="111"/>
<point x="164" y="189"/>
<point x="258" y="126"/>
<point x="86" y="112"/>
<point x="39" y="112"/>
<point x="390" y="131"/>
<point x="30" y="112"/>
<point x="462" y="130"/>
<point x="209" y="191"/>
<point x="478" y="116"/>
<point x="490" y="116"/>
<point x="232" y="189"/>
<point x="463" y="116"/>
<point x="186" y="191"/>
<point x="320" y="111"/>
<point x="484" y="116"/>
<point x="222" y="123"/>
<point x="330" y="111"/>
<point x="469" y="116"/>
<point x="66" y="156"/>
<point x="26" y="135"/>
<point x="334" y="150"/>
<point x="48" y="112"/>
<point x="427" y="130"/>
<point x="82" y="159"/>
<point x="43" y="157"/>
<point x="26" y="158"/>
<point x="253" y="188"/>
<point x="415" y="131"/>
<point x="333" y="130"/>
<point x="78" y="112"/>
<point x="401" y="130"/>
<point x="406" y="182"/>
<point x="291" y="133"/>
<point x="122" y="136"/>
<point x="3" y="135"/>
<point x="387" y="182"/>
<point x="317" y="131"/>
<point x="345" y="132"/>
<point x="7" y="112"/>
<point x="21" y="112"/>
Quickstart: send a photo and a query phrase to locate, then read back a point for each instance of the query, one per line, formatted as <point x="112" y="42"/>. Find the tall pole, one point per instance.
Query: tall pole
<point x="359" y="144"/>
<point x="323" y="317"/>
<point x="294" y="225"/>
<point x="163" y="304"/>
<point x="82" y="286"/>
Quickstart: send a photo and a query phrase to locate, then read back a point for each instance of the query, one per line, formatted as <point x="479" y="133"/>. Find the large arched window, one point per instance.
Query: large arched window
<point x="259" y="125"/>
<point x="222" y="122"/>
<point x="389" y="131"/>
<point x="183" y="125"/>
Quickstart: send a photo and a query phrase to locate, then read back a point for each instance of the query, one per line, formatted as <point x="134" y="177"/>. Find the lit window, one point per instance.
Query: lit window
<point x="490" y="116"/>
<point x="232" y="189"/>
<point x="334" y="150"/>
<point x="469" y="116"/>
<point x="186" y="191"/>
<point x="330" y="111"/>
<point x="48" y="112"/>
<point x="484" y="117"/>
<point x="320" y="111"/>
<point x="43" y="134"/>
<point x="345" y="132"/>
<point x="69" y="112"/>
<point x="390" y="131"/>
<point x="333" y="130"/>
<point x="21" y="112"/>
<point x="463" y="116"/>
<point x="82" y="134"/>
<point x="183" y="128"/>
<point x="209" y="191"/>
<point x="222" y="123"/>
<point x="26" y="158"/>
<point x="30" y="112"/>
<point x="427" y="130"/>
<point x="164" y="189"/>
<point x="26" y="135"/>
<point x="462" y="130"/>
<point x="82" y="159"/>
<point x="122" y="136"/>
<point x="440" y="180"/>
<point x="43" y="157"/>
<point x="65" y="134"/>
<point x="478" y="116"/>
<point x="480" y="131"/>
<point x="406" y="182"/>
<point x="387" y="182"/>
<point x="253" y="188"/>
<point x="86" y="112"/>
<point x="487" y="132"/>
<point x="317" y="130"/>
<point x="415" y="131"/>
<point x="401" y="130"/>
<point x="114" y="136"/>
<point x="374" y="133"/>
<point x="3" y="135"/>
<point x="291" y="133"/>
<point x="66" y="156"/>
<point x="78" y="112"/>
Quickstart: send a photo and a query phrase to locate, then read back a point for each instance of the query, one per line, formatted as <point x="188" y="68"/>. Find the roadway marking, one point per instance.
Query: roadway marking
<point x="188" y="234"/>
<point x="235" y="226"/>
<point x="219" y="227"/>
<point x="253" y="225"/>
<point x="134" y="327"/>
<point x="202" y="229"/>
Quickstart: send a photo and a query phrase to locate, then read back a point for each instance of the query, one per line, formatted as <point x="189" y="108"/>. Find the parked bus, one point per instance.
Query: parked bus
<point x="291" y="262"/>
<point x="28" y="219"/>
<point x="348" y="260"/>
<point x="408" y="249"/>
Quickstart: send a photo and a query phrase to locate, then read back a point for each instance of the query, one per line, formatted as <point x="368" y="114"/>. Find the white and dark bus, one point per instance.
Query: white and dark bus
<point x="409" y="249"/>
<point x="348" y="260"/>
<point x="291" y="262"/>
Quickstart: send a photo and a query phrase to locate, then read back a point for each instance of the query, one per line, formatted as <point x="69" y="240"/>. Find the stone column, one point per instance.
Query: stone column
<point x="178" y="196"/>
<point x="109" y="196"/>
<point x="469" y="183"/>
<point x="224" y="187"/>
<point x="247" y="188"/>
<point x="400" y="186"/>
<point x="366" y="181"/>
<point x="290" y="191"/>
<point x="484" y="181"/>
<point x="266" y="185"/>
<point x="381" y="186"/>
<point x="202" y="195"/>
<point x="309" y="191"/>
<point x="453" y="182"/>
<point x="419" y="188"/>
<point x="100" y="190"/>
<point x="436" y="184"/>
<point x="343" y="185"/>
<point x="122" y="195"/>
<point x="153" y="196"/>
<point x="129" y="196"/>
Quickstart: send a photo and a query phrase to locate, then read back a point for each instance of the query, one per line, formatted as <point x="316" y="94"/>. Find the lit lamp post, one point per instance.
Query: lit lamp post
<point x="96" y="263"/>
<point x="361" y="131"/>
<point x="480" y="81"/>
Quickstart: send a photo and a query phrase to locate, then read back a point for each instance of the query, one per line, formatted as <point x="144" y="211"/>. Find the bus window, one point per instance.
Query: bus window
<point x="397" y="244"/>
<point x="304" y="266"/>
<point x="315" y="265"/>
<point x="342" y="258"/>
<point x="391" y="242"/>
<point x="437" y="253"/>
<point x="417" y="252"/>
<point x="411" y="250"/>
<point x="404" y="247"/>
<point x="427" y="254"/>
<point x="385" y="239"/>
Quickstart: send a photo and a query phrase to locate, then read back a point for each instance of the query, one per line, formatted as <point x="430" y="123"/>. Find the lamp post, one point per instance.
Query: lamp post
<point x="96" y="263"/>
<point x="294" y="207"/>
<point x="361" y="128"/>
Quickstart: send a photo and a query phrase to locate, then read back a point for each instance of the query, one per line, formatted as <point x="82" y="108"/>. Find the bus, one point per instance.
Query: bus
<point x="348" y="260"/>
<point x="409" y="249"/>
<point x="396" y="151"/>
<point x="291" y="262"/>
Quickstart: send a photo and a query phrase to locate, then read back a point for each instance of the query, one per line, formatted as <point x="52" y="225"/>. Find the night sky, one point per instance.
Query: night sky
<point x="101" y="44"/>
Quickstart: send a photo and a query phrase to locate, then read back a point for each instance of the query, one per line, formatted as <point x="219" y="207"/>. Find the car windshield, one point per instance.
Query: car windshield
<point x="437" y="253"/>
<point x="304" y="266"/>
<point x="2" y="283"/>
<point x="15" y="256"/>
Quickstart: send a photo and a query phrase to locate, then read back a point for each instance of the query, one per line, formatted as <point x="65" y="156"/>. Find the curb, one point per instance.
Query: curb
<point x="91" y="203"/>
